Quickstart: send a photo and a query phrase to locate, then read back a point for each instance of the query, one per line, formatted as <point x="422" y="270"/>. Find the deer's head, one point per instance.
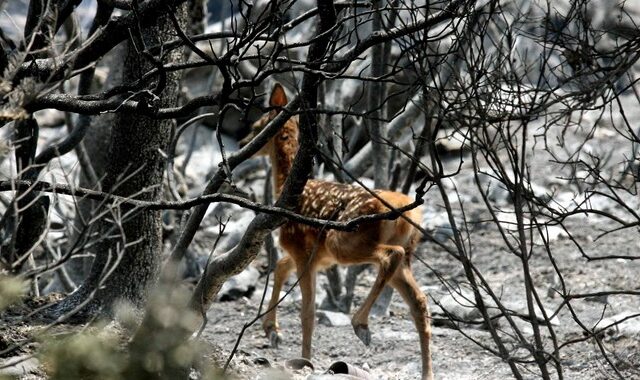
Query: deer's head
<point x="277" y="101"/>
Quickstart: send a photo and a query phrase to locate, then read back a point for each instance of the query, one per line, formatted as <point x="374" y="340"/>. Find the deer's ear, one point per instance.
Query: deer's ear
<point x="278" y="96"/>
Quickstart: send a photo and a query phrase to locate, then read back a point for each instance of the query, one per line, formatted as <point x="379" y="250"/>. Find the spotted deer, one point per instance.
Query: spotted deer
<point x="389" y="244"/>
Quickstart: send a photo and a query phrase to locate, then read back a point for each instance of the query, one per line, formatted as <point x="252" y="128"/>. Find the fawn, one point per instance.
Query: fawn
<point x="389" y="244"/>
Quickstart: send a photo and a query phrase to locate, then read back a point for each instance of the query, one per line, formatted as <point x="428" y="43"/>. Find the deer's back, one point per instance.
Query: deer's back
<point x="340" y="202"/>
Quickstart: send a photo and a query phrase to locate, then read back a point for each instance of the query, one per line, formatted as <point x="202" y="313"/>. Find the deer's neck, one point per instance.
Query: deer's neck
<point x="283" y="153"/>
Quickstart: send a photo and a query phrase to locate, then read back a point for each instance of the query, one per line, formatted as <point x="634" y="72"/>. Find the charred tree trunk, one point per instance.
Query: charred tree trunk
<point x="225" y="265"/>
<point x="128" y="257"/>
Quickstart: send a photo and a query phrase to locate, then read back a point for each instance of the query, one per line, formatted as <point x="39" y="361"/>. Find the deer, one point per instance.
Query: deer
<point x="388" y="244"/>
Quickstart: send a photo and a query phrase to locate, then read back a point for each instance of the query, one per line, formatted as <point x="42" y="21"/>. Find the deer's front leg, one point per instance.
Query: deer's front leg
<point x="308" y="310"/>
<point x="270" y="321"/>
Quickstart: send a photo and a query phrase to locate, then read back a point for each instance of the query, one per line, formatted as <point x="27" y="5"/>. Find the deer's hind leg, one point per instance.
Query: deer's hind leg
<point x="387" y="258"/>
<point x="404" y="282"/>
<point x="284" y="267"/>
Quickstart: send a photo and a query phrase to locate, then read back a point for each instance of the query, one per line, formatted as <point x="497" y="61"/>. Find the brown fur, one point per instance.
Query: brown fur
<point x="388" y="244"/>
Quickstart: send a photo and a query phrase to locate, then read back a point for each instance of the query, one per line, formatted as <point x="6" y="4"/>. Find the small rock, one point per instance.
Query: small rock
<point x="341" y="367"/>
<point x="521" y="325"/>
<point x="326" y="376"/>
<point x="262" y="361"/>
<point x="439" y="224"/>
<point x="520" y="308"/>
<point x="627" y="323"/>
<point x="541" y="192"/>
<point x="462" y="306"/>
<point x="332" y="318"/>
<point x="240" y="285"/>
<point x="298" y="364"/>
<point x="19" y="365"/>
<point x="551" y="233"/>
<point x="274" y="374"/>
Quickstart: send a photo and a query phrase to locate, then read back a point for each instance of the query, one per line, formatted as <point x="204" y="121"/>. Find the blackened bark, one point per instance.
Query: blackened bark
<point x="113" y="33"/>
<point x="224" y="266"/>
<point x="131" y="244"/>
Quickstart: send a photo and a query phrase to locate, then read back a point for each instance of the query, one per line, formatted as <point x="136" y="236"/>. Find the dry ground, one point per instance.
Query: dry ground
<point x="394" y="351"/>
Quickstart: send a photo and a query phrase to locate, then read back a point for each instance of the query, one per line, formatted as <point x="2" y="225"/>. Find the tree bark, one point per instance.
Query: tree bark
<point x="225" y="265"/>
<point x="128" y="256"/>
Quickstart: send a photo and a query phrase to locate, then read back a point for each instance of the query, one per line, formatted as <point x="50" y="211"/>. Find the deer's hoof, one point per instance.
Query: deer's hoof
<point x="274" y="339"/>
<point x="363" y="333"/>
